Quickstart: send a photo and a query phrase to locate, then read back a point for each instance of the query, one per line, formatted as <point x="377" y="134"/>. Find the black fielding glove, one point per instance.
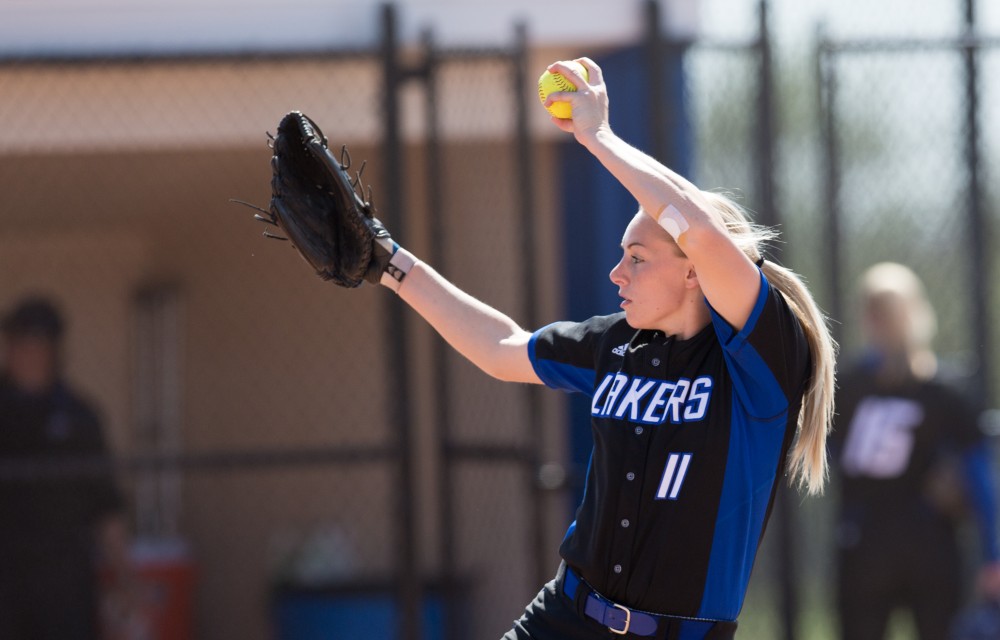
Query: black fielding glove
<point x="323" y="211"/>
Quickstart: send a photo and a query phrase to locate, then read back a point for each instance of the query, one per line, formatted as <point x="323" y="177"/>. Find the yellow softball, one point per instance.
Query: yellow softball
<point x="550" y="82"/>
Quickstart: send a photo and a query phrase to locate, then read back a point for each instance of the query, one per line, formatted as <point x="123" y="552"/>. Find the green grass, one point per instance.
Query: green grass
<point x="761" y="619"/>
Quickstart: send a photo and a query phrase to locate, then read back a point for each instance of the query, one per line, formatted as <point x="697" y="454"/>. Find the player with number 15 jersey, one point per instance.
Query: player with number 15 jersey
<point x="913" y="464"/>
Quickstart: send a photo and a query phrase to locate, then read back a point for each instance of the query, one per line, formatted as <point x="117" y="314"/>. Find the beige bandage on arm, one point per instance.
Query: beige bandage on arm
<point x="673" y="221"/>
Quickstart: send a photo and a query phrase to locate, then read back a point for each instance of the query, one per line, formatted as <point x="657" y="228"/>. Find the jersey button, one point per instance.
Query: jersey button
<point x="655" y="362"/>
<point x="625" y="523"/>
<point x="617" y="568"/>
<point x="630" y="476"/>
<point x="638" y="431"/>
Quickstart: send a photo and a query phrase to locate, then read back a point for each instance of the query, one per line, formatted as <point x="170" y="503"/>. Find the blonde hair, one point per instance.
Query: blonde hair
<point x="893" y="281"/>
<point x="807" y="464"/>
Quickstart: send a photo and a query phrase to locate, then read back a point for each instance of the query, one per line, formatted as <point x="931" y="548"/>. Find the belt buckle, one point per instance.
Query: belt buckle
<point x="628" y="619"/>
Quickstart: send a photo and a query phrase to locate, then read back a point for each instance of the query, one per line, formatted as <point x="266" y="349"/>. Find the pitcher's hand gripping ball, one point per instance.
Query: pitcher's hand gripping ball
<point x="550" y="82"/>
<point x="321" y="207"/>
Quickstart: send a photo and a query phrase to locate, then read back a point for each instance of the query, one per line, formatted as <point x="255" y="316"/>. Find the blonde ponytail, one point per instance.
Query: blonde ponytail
<point x="807" y="465"/>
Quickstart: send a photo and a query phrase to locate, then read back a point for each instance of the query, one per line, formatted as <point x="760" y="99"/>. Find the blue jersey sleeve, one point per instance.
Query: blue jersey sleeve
<point x="982" y="496"/>
<point x="768" y="358"/>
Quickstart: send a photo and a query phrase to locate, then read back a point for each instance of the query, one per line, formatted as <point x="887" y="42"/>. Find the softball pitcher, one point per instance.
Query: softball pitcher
<point x="713" y="381"/>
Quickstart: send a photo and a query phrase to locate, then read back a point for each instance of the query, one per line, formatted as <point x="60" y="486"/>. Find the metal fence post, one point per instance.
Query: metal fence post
<point x="826" y="72"/>
<point x="524" y="170"/>
<point x="408" y="588"/>
<point x="654" y="59"/>
<point x="978" y="226"/>
<point x="438" y="240"/>
<point x="767" y="209"/>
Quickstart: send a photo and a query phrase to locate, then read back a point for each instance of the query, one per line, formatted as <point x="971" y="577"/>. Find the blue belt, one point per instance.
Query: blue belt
<point x="620" y="620"/>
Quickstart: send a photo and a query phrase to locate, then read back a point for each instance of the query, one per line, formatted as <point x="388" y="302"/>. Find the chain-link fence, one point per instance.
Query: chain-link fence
<point x="737" y="99"/>
<point x="906" y="174"/>
<point x="247" y="402"/>
<point x="207" y="348"/>
<point x="900" y="160"/>
<point x="255" y="410"/>
<point x="250" y="405"/>
<point x="884" y="151"/>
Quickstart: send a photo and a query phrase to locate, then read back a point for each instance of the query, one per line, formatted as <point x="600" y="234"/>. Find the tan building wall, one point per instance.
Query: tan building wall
<point x="271" y="357"/>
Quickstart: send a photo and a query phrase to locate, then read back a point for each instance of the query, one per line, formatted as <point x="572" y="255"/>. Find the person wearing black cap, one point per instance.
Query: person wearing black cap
<point x="56" y="519"/>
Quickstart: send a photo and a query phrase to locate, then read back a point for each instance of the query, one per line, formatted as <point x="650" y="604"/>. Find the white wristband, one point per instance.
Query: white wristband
<point x="399" y="265"/>
<point x="673" y="221"/>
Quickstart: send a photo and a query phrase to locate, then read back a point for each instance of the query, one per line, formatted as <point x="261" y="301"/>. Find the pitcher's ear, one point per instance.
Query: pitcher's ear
<point x="691" y="279"/>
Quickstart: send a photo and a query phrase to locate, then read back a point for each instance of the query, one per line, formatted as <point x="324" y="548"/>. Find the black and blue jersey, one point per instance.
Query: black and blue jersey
<point x="893" y="441"/>
<point x="690" y="437"/>
<point x="911" y="461"/>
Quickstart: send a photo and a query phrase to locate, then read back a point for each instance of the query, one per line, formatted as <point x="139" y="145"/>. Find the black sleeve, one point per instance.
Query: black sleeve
<point x="101" y="492"/>
<point x="563" y="353"/>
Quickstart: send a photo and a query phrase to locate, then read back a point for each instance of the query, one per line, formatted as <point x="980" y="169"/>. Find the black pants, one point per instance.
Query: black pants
<point x="553" y="616"/>
<point x="52" y="596"/>
<point x="918" y="570"/>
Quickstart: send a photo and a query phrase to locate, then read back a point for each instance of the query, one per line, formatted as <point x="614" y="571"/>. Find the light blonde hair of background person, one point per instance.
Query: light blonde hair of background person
<point x="807" y="464"/>
<point x="898" y="284"/>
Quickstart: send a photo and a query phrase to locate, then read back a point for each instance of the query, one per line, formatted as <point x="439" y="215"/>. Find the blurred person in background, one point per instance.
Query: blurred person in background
<point x="913" y="464"/>
<point x="56" y="525"/>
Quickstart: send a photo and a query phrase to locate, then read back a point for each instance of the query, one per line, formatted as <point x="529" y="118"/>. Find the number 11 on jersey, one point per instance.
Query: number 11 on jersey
<point x="673" y="476"/>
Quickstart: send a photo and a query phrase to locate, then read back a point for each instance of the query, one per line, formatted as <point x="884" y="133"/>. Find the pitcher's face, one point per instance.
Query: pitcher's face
<point x="653" y="276"/>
